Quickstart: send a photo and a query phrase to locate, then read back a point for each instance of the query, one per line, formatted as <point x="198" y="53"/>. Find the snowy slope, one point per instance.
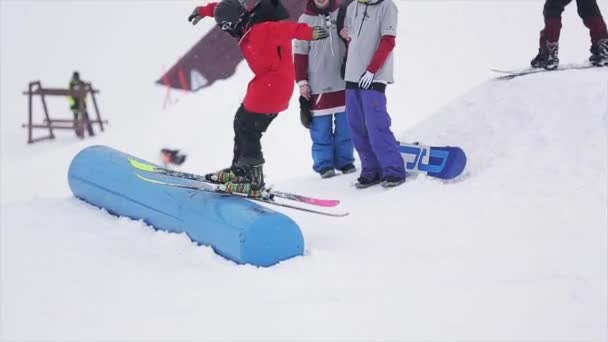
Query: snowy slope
<point x="517" y="250"/>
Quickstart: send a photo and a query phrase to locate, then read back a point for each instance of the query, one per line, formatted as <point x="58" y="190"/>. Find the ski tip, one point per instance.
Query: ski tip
<point x="141" y="165"/>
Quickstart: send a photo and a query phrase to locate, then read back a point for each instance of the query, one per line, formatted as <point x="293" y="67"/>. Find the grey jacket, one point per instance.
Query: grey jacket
<point x="366" y="24"/>
<point x="324" y="56"/>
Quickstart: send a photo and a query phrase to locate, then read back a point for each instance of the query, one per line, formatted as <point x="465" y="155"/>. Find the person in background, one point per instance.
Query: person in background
<point x="322" y="96"/>
<point x="548" y="52"/>
<point x="265" y="41"/>
<point x="76" y="84"/>
<point x="370" y="27"/>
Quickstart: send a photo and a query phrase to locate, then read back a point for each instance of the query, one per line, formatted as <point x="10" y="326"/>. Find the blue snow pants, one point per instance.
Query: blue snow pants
<point x="332" y="147"/>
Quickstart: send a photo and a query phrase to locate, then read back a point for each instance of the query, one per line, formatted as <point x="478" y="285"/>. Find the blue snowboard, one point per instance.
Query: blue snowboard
<point x="445" y="162"/>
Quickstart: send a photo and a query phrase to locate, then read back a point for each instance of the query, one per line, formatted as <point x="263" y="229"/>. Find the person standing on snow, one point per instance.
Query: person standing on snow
<point x="322" y="95"/>
<point x="370" y="27"/>
<point x="80" y="115"/>
<point x="265" y="42"/>
<point x="588" y="10"/>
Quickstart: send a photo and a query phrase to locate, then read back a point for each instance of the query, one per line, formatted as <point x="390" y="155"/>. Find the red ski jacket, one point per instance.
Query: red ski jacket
<point x="267" y="49"/>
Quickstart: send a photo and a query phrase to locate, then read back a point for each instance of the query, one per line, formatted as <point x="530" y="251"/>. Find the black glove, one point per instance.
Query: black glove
<point x="305" y="113"/>
<point x="194" y="17"/>
<point x="319" y="33"/>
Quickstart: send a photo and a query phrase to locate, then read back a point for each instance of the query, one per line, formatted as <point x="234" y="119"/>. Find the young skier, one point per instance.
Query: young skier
<point x="265" y="42"/>
<point x="549" y="37"/>
<point x="318" y="67"/>
<point x="371" y="27"/>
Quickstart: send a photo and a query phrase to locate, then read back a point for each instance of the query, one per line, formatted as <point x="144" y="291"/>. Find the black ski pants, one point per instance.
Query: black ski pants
<point x="248" y="130"/>
<point x="586" y="8"/>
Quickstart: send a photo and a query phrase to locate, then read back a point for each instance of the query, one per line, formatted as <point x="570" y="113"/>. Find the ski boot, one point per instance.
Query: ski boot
<point x="231" y="174"/>
<point x="249" y="181"/>
<point x="547" y="56"/>
<point x="599" y="53"/>
<point x="246" y="190"/>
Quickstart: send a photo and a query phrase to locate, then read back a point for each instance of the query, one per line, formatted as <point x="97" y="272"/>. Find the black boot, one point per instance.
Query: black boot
<point x="233" y="174"/>
<point x="547" y="55"/>
<point x="250" y="183"/>
<point x="255" y="174"/>
<point x="599" y="53"/>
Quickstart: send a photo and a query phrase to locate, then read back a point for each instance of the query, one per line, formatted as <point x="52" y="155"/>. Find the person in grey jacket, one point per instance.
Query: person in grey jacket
<point x="370" y="27"/>
<point x="322" y="97"/>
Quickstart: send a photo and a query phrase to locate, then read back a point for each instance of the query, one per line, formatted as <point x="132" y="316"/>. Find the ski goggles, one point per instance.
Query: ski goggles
<point x="234" y="29"/>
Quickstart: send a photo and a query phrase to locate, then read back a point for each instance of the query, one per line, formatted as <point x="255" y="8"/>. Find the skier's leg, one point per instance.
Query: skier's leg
<point x="343" y="144"/>
<point x="552" y="13"/>
<point x="589" y="11"/>
<point x="548" y="50"/>
<point x="235" y="148"/>
<point x="89" y="124"/>
<point x="322" y="145"/>
<point x="231" y="173"/>
<point x="370" y="168"/>
<point x="381" y="137"/>
<point x="77" y="128"/>
<point x="250" y="127"/>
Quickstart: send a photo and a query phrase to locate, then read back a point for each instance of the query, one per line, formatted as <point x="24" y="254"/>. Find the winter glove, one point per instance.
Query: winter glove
<point x="195" y="17"/>
<point x="366" y="80"/>
<point x="319" y="33"/>
<point x="305" y="113"/>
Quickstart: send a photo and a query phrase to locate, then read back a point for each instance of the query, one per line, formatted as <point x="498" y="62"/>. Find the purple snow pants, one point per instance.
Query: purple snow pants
<point x="370" y="127"/>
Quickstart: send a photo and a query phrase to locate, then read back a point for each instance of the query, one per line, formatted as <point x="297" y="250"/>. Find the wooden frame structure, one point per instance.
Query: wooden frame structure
<point x="78" y="125"/>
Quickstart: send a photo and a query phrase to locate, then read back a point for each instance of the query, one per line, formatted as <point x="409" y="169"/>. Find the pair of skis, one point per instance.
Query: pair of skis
<point x="268" y="196"/>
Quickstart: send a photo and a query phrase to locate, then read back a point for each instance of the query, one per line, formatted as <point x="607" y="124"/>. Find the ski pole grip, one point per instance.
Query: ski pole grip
<point x="236" y="228"/>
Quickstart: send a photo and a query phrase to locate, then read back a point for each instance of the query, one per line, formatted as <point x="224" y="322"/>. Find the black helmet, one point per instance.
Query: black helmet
<point x="230" y="16"/>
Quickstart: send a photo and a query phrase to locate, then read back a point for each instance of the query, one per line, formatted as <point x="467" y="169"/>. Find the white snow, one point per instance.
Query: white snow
<point x="516" y="250"/>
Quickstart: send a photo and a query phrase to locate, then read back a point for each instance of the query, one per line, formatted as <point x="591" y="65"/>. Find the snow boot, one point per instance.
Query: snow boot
<point x="599" y="53"/>
<point x="327" y="173"/>
<point x="350" y="168"/>
<point x="392" y="181"/>
<point x="547" y="56"/>
<point x="364" y="182"/>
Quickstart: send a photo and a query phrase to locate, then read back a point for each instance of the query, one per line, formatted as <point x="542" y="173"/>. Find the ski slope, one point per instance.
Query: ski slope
<point x="516" y="250"/>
